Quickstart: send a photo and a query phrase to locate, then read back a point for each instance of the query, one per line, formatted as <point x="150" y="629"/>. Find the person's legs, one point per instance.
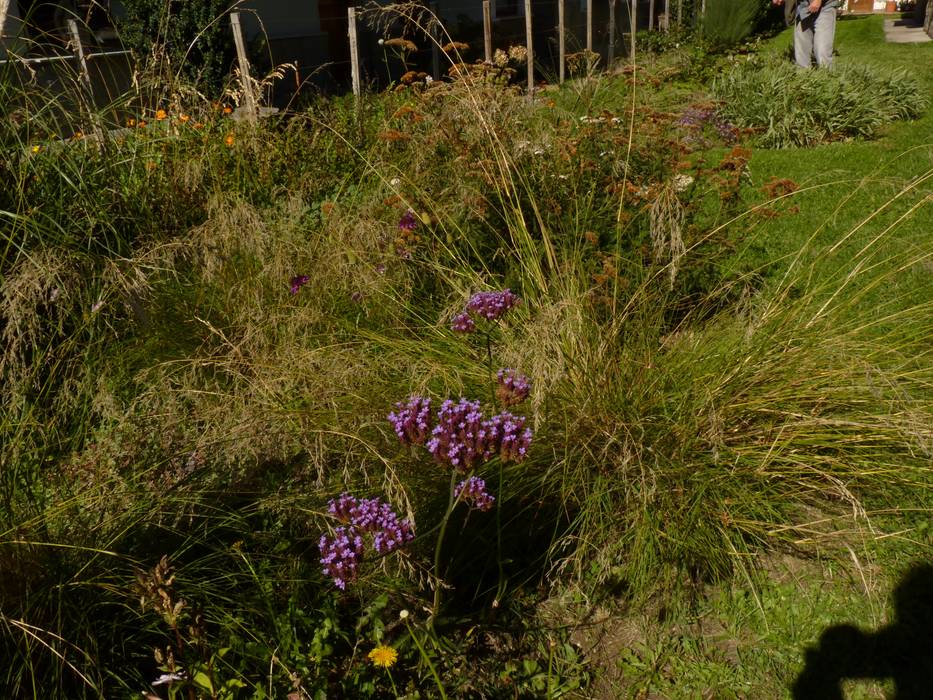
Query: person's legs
<point x="803" y="41"/>
<point x="824" y="33"/>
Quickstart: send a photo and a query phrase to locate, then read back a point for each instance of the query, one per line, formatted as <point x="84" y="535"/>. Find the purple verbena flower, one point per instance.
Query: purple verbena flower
<point x="491" y="305"/>
<point x="412" y="420"/>
<point x="511" y="387"/>
<point x="408" y="222"/>
<point x="473" y="492"/>
<point x="512" y="437"/>
<point x="460" y="436"/>
<point x="297" y="282"/>
<point x="340" y="555"/>
<point x="463" y="323"/>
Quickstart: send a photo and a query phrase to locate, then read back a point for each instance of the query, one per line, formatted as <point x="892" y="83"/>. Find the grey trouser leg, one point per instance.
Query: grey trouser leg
<point x="803" y="41"/>
<point x="824" y="32"/>
<point x="815" y="34"/>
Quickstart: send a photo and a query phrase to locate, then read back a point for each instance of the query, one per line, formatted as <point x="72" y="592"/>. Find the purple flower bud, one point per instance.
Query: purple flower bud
<point x="297" y="282"/>
<point x="511" y="387"/>
<point x="463" y="323"/>
<point x="408" y="222"/>
<point x="473" y="492"/>
<point x="412" y="420"/>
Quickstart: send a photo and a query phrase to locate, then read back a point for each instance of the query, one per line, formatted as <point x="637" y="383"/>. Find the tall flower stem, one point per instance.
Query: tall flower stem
<point x="492" y="384"/>
<point x="451" y="502"/>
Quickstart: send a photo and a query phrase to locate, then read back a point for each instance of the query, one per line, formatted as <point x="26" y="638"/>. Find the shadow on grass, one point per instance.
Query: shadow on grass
<point x="902" y="651"/>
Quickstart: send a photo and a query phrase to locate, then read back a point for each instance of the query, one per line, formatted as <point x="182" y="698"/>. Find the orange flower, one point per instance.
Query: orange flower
<point x="161" y="114"/>
<point x="183" y="118"/>
<point x="78" y="135"/>
<point x="198" y="125"/>
<point x="229" y="139"/>
<point x="131" y="122"/>
<point x="228" y="109"/>
<point x="141" y="124"/>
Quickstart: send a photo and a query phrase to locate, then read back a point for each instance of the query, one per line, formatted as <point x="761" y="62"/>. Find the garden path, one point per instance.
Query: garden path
<point x="904" y="31"/>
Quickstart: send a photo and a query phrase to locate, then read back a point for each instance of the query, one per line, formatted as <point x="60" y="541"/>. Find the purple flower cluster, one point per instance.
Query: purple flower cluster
<point x="511" y="387"/>
<point x="460" y="436"/>
<point x="412" y="420"/>
<point x="297" y="282"/>
<point x="474" y="494"/>
<point x="512" y="439"/>
<point x="340" y="554"/>
<point x="698" y="117"/>
<point x="408" y="222"/>
<point x="463" y="323"/>
<point x="489" y="305"/>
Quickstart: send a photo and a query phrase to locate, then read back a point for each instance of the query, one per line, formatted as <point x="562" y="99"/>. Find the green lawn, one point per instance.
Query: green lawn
<point x="748" y="641"/>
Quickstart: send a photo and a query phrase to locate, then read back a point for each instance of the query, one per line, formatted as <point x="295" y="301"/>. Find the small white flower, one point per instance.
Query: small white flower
<point x="616" y="120"/>
<point x="538" y="151"/>
<point x="403" y="614"/>
<point x="682" y="182"/>
<point x="395" y="182"/>
<point x="382" y="42"/>
<point x="167" y="678"/>
<point x="428" y="79"/>
<point x="603" y="154"/>
<point x="53" y="295"/>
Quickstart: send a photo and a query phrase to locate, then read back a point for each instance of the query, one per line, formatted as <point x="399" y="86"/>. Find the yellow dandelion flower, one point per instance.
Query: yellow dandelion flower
<point x="229" y="139"/>
<point x="78" y="135"/>
<point x="36" y="148"/>
<point x="383" y="656"/>
<point x="161" y="114"/>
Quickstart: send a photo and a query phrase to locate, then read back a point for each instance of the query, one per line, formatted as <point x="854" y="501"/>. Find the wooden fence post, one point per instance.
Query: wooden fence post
<point x="612" y="33"/>
<point x="561" y="47"/>
<point x="529" y="45"/>
<point x="650" y="15"/>
<point x="487" y="30"/>
<point x="4" y="9"/>
<point x="680" y="14"/>
<point x="589" y="27"/>
<point x="85" y="80"/>
<point x="354" y="51"/>
<point x="249" y="99"/>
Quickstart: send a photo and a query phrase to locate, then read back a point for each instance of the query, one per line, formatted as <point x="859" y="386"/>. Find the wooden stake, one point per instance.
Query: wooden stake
<point x="249" y="100"/>
<point x="562" y="49"/>
<point x="85" y="80"/>
<point x="529" y="45"/>
<point x="589" y="26"/>
<point x="634" y="25"/>
<point x="650" y="15"/>
<point x="612" y="32"/>
<point x="4" y="9"/>
<point x="680" y="14"/>
<point x="354" y="51"/>
<point x="487" y="29"/>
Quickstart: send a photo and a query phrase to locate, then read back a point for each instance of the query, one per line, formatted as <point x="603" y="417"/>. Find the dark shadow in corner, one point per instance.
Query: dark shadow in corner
<point x="903" y="650"/>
